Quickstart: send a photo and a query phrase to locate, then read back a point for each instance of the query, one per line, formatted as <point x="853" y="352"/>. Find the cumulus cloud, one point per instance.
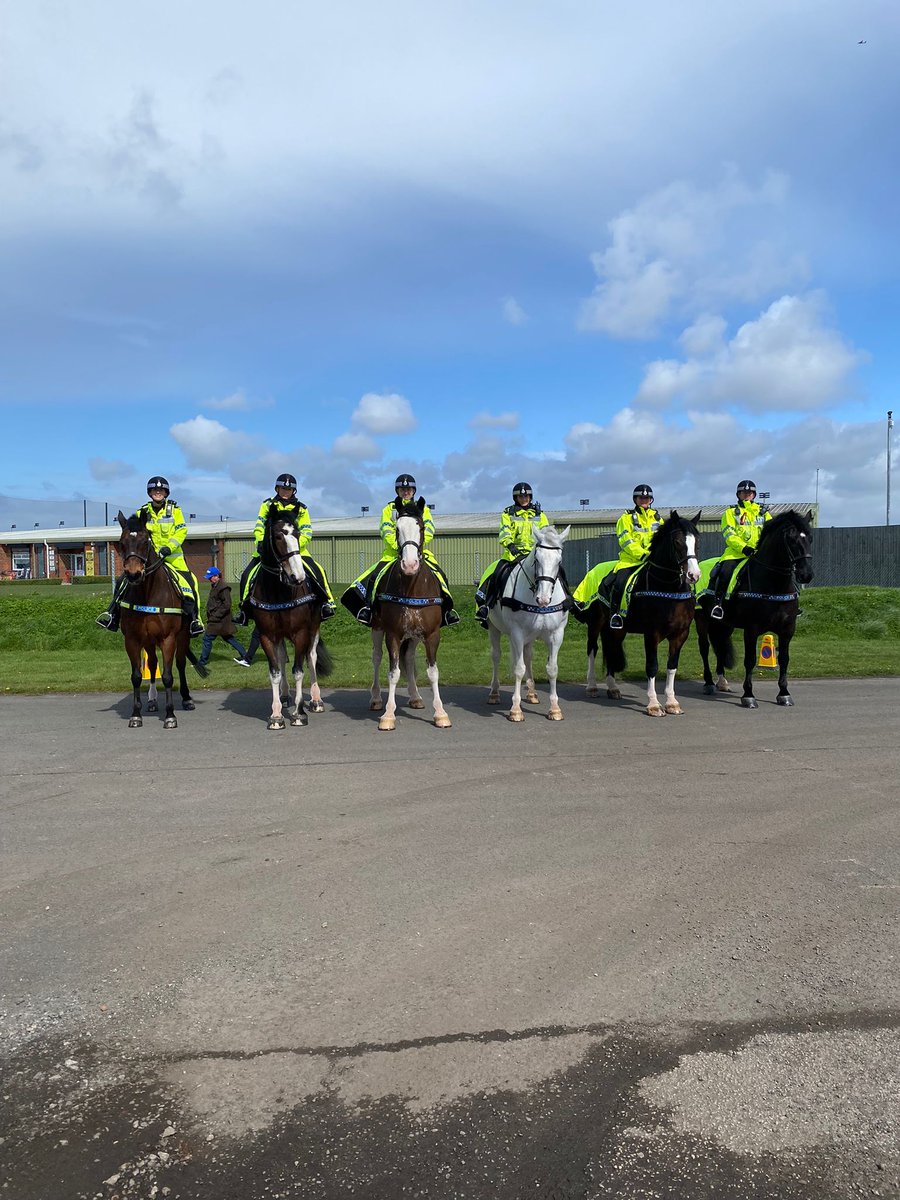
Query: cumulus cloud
<point x="381" y="413"/>
<point x="513" y="312"/>
<point x="789" y="358"/>
<point x="487" y="420"/>
<point x="357" y="446"/>
<point x="682" y="247"/>
<point x="106" y="469"/>
<point x="208" y="444"/>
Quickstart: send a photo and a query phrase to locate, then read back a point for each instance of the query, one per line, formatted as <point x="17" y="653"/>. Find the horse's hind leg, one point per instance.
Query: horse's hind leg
<point x="168" y="679"/>
<point x="748" y="700"/>
<point x="377" y="651"/>
<point x="494" y="693"/>
<point x="531" y="696"/>
<point x="152" y="694"/>
<point x="784" y="697"/>
<point x="409" y="667"/>
<point x="187" y="702"/>
<point x="441" y="720"/>
<point x="299" y="717"/>
<point x="315" y="694"/>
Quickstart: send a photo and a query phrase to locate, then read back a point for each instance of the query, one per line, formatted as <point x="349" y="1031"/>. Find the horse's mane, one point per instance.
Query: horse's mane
<point x="408" y="509"/>
<point x="673" y="521"/>
<point x="135" y="523"/>
<point x="285" y="513"/>
<point x="772" y="528"/>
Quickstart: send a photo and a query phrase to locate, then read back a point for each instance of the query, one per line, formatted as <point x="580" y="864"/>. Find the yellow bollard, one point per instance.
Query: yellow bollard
<point x="145" y="666"/>
<point x="767" y="652"/>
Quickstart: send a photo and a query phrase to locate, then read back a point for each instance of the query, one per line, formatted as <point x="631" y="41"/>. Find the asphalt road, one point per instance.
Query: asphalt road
<point x="608" y="957"/>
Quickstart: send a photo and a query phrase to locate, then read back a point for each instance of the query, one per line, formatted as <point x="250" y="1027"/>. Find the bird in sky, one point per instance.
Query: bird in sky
<point x="861" y="42"/>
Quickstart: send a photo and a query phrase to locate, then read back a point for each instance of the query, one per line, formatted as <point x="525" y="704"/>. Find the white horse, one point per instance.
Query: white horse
<point x="531" y="607"/>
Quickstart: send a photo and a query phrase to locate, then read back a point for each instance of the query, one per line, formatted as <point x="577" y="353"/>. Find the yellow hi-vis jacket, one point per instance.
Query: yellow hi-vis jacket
<point x="302" y="523"/>
<point x="516" y="532"/>
<point x="741" y="526"/>
<point x="635" y="529"/>
<point x="167" y="528"/>
<point x="388" y="529"/>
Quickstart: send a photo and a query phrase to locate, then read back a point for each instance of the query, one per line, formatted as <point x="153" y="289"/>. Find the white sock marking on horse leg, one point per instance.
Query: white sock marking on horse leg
<point x="393" y="676"/>
<point x="433" y="678"/>
<point x="591" y="675"/>
<point x="275" y="680"/>
<point x="652" y="701"/>
<point x="670" y="685"/>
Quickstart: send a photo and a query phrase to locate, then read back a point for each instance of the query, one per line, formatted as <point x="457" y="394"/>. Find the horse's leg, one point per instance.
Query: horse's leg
<point x="651" y="662"/>
<point x="133" y="649"/>
<point x="299" y="716"/>
<point x="613" y="655"/>
<point x="181" y="649"/>
<point x="748" y="700"/>
<point x="555" y="713"/>
<point x="494" y="693"/>
<point x="676" y="641"/>
<point x="389" y="719"/>
<point x="703" y="642"/>
<point x="432" y="641"/>
<point x="517" y="659"/>
<point x="152" y="694"/>
<point x="275" y="654"/>
<point x="409" y="668"/>
<point x="531" y="696"/>
<point x="784" y="697"/>
<point x="721" y="643"/>
<point x="315" y="693"/>
<point x="377" y="650"/>
<point x="168" y="654"/>
<point x="592" y="647"/>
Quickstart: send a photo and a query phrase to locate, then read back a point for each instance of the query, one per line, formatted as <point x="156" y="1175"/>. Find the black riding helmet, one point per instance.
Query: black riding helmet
<point x="522" y="489"/>
<point x="287" y="481"/>
<point x="157" y="482"/>
<point x="746" y="485"/>
<point x="643" y="489"/>
<point x="404" y="481"/>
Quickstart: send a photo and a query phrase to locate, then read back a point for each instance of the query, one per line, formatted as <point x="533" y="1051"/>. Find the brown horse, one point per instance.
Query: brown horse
<point x="152" y="619"/>
<point x="408" y="612"/>
<point x="286" y="607"/>
<point x="661" y="608"/>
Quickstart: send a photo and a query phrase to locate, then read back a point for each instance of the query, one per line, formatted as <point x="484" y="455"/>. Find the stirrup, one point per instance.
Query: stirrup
<point x="241" y="618"/>
<point x="196" y="627"/>
<point x="108" y="621"/>
<point x="328" y="609"/>
<point x="364" y="616"/>
<point x="717" y="612"/>
<point x="616" y="622"/>
<point x="481" y="612"/>
<point x="451" y="617"/>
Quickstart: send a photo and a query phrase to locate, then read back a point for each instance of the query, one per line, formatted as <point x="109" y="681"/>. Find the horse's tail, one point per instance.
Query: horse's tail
<point x="728" y="654"/>
<point x="324" y="661"/>
<point x="196" y="663"/>
<point x="614" y="655"/>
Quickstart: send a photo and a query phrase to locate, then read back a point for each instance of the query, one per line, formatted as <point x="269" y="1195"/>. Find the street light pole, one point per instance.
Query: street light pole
<point x="887" y="512"/>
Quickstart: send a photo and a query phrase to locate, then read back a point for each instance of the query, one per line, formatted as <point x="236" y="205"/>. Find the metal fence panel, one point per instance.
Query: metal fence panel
<point x="857" y="554"/>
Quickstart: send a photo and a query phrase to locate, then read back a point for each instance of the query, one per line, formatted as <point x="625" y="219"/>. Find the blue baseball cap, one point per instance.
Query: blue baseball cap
<point x="211" y="572"/>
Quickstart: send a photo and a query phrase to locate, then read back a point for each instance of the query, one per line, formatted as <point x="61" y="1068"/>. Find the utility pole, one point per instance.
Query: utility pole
<point x="887" y="513"/>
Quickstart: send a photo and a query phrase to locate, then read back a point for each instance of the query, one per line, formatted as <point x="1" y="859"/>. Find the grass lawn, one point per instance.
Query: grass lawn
<point x="49" y="642"/>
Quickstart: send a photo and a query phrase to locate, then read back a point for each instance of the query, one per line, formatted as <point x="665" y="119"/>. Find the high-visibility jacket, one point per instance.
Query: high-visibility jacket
<point x="741" y="526"/>
<point x="388" y="529"/>
<point x="167" y="528"/>
<point x="635" y="529"/>
<point x="516" y="531"/>
<point x="294" y="508"/>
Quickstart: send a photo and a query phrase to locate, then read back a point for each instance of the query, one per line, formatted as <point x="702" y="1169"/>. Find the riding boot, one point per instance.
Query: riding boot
<point x="481" y="615"/>
<point x="328" y="609"/>
<point x="189" y="605"/>
<point x="110" y="619"/>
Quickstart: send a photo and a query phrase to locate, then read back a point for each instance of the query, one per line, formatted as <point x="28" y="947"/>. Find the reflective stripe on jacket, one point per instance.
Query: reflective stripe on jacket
<point x="741" y="526"/>
<point x="302" y="523"/>
<point x="516" y="531"/>
<point x="635" y="529"/>
<point x="168" y="528"/>
<point x="388" y="528"/>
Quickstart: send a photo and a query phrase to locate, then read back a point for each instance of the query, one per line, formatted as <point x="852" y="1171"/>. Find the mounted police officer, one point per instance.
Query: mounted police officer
<point x="634" y="531"/>
<point x="286" y="504"/>
<point x="168" y="529"/>
<point x="741" y="526"/>
<point x="516" y="536"/>
<point x="358" y="596"/>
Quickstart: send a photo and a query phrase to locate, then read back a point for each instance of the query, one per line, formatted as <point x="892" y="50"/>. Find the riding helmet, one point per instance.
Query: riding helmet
<point x="522" y="489"/>
<point x="404" y="481"/>
<point x="746" y="485"/>
<point x="287" y="481"/>
<point x="643" y="489"/>
<point x="157" y="482"/>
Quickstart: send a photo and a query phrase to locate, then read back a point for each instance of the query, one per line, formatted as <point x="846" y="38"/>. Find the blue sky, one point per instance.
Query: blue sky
<point x="569" y="243"/>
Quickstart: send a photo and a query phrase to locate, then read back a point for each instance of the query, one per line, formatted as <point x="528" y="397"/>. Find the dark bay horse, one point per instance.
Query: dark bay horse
<point x="408" y="612"/>
<point x="765" y="599"/>
<point x="661" y="608"/>
<point x="152" y="619"/>
<point x="286" y="607"/>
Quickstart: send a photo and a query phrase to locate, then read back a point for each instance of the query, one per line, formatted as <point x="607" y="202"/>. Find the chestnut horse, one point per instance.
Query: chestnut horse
<point x="152" y="619"/>
<point x="286" y="606"/>
<point x="408" y="611"/>
<point x="661" y="608"/>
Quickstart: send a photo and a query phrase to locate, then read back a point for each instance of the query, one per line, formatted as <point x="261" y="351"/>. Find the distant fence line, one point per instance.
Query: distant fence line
<point x="867" y="554"/>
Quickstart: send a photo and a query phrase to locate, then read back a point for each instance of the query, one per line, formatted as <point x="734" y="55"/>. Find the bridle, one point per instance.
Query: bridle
<point x="280" y="559"/>
<point x="551" y="579"/>
<point x="680" y="567"/>
<point x="793" y="558"/>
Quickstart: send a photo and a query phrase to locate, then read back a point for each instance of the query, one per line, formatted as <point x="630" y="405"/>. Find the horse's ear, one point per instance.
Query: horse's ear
<point x="420" y="504"/>
<point x="673" y="514"/>
<point x="696" y="520"/>
<point x="565" y="533"/>
<point x="122" y="519"/>
<point x="809" y="516"/>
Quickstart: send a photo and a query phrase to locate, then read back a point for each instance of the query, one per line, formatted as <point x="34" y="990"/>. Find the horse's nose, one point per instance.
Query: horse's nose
<point x="409" y="566"/>
<point x="693" y="571"/>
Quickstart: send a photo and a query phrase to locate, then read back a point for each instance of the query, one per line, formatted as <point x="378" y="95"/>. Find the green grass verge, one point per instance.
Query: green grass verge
<point x="49" y="642"/>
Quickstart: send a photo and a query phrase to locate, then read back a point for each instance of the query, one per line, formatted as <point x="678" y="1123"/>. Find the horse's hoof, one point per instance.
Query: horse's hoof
<point x="170" y="723"/>
<point x="152" y="706"/>
<point x="135" y="723"/>
<point x="417" y="703"/>
<point x="613" y="695"/>
<point x="654" y="710"/>
<point x="442" y="722"/>
<point x="723" y="686"/>
<point x="532" y="698"/>
<point x="387" y="724"/>
<point x="709" y="689"/>
<point x="375" y="706"/>
<point x="593" y="691"/>
<point x="188" y="705"/>
<point x="276" y="723"/>
<point x="304" y="720"/>
<point x="555" y="714"/>
<point x="515" y="715"/>
<point x="749" y="702"/>
<point x="785" y="701"/>
<point x="674" y="709"/>
<point x="494" y="699"/>
<point x="316" y="706"/>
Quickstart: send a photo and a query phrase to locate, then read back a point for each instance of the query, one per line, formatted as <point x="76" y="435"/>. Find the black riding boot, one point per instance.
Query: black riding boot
<point x="110" y="619"/>
<point x="189" y="604"/>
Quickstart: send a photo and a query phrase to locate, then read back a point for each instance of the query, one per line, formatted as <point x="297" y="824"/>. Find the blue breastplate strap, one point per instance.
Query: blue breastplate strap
<point x="664" y="595"/>
<point x="147" y="608"/>
<point x="767" y="596"/>
<point x="409" y="601"/>
<point x="519" y="606"/>
<point x="287" y="604"/>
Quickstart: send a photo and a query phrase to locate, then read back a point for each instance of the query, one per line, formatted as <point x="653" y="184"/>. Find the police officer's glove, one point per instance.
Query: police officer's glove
<point x="165" y="552"/>
<point x="749" y="551"/>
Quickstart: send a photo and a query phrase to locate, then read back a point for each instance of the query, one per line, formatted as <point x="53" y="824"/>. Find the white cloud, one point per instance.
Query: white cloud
<point x="238" y="401"/>
<point x="513" y="312"/>
<point x="381" y="413"/>
<point x="682" y="247"/>
<point x="357" y="446"/>
<point x="789" y="358"/>
<point x="486" y="420"/>
<point x="208" y="444"/>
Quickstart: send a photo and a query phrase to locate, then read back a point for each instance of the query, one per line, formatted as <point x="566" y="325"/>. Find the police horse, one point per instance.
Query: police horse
<point x="661" y="608"/>
<point x="407" y="611"/>
<point x="533" y="606"/>
<point x="765" y="598"/>
<point x="152" y="621"/>
<point x="286" y="607"/>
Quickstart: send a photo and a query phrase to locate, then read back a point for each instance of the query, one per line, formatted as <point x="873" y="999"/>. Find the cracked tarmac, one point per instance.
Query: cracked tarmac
<point x="332" y="962"/>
